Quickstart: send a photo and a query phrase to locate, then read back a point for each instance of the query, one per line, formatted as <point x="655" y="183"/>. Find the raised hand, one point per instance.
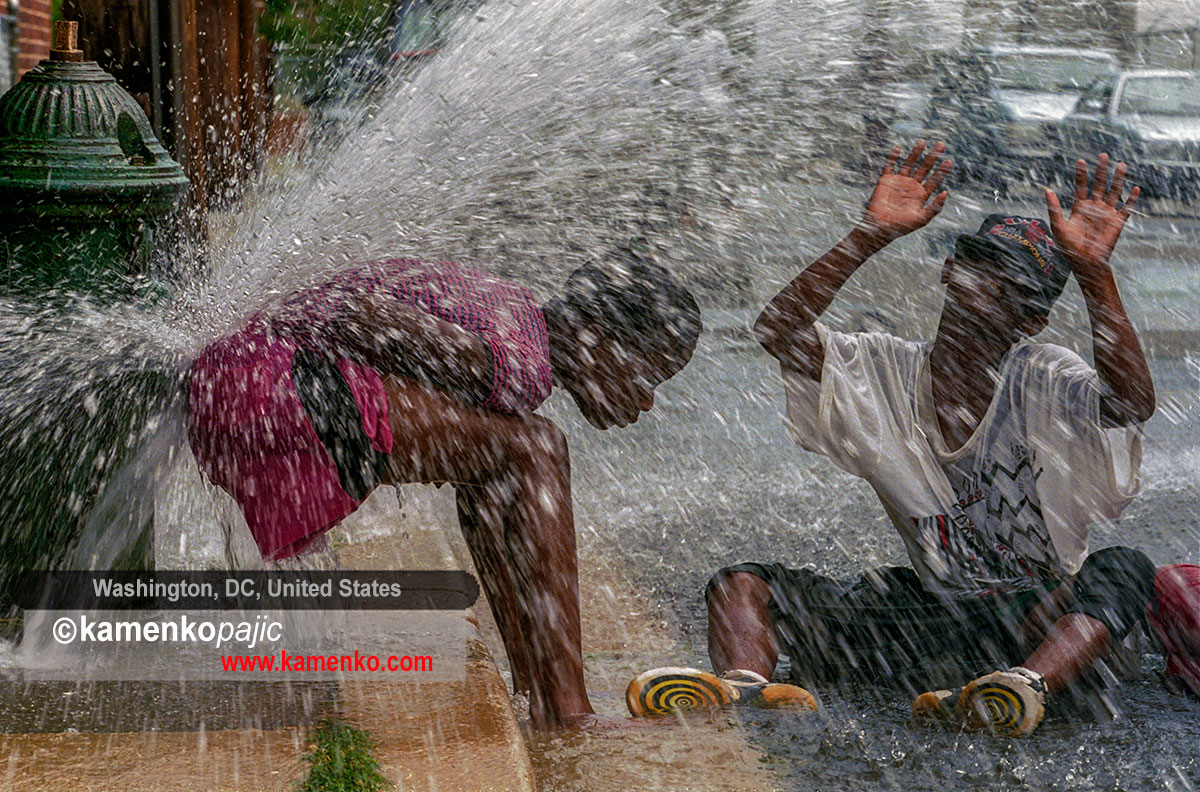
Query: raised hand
<point x="1088" y="236"/>
<point x="1087" y="239"/>
<point x="900" y="202"/>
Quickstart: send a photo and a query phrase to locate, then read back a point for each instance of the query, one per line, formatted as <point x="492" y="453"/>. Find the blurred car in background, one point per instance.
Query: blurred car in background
<point x="1148" y="118"/>
<point x="422" y="27"/>
<point x="352" y="85"/>
<point x="999" y="108"/>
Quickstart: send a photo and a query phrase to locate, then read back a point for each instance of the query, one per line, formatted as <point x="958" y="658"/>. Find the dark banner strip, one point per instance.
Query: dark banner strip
<point x="249" y="590"/>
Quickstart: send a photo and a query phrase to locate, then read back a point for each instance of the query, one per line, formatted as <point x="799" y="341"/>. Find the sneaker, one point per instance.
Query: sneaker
<point x="1006" y="703"/>
<point x="667" y="691"/>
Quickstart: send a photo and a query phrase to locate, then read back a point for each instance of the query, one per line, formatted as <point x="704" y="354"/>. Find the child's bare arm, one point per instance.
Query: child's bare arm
<point x="406" y="341"/>
<point x="1087" y="240"/>
<point x="900" y="203"/>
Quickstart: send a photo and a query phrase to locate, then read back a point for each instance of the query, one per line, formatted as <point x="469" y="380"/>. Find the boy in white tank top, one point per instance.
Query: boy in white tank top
<point x="990" y="454"/>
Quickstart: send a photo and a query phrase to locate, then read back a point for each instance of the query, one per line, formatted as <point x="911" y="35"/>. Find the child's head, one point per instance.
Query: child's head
<point x="1007" y="275"/>
<point x="621" y="327"/>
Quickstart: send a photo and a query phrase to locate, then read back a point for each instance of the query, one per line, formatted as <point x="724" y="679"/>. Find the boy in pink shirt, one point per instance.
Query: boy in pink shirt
<point x="402" y="371"/>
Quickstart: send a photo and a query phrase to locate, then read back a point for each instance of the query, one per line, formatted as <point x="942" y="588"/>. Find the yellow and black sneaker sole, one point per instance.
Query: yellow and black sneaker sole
<point x="1000" y="704"/>
<point x="668" y="691"/>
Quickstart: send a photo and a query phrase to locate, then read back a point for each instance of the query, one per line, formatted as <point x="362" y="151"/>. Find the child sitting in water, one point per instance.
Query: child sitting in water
<point x="991" y="455"/>
<point x="403" y="371"/>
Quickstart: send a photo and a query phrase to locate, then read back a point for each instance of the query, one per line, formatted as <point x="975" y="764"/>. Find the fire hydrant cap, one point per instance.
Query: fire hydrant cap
<point x="73" y="142"/>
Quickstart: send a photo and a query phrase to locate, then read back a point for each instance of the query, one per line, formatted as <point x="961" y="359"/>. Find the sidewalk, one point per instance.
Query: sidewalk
<point x="226" y="737"/>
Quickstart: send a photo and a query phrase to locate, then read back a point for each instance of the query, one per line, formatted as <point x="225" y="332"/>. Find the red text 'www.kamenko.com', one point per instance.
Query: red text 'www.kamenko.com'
<point x="340" y="663"/>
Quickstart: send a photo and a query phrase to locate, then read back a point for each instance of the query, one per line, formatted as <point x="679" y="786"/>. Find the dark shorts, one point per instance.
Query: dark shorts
<point x="886" y="627"/>
<point x="335" y="417"/>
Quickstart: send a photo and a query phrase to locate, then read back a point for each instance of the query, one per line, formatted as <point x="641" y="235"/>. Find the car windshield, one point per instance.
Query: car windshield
<point x="1028" y="72"/>
<point x="1177" y="95"/>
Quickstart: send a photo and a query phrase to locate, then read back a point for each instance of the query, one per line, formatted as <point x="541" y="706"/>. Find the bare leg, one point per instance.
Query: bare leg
<point x="521" y="531"/>
<point x="1073" y="646"/>
<point x="1041" y="620"/>
<point x="532" y="498"/>
<point x="489" y="554"/>
<point x="739" y="627"/>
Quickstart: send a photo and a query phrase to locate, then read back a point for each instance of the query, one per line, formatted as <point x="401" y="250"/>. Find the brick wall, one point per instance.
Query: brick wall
<point x="33" y="34"/>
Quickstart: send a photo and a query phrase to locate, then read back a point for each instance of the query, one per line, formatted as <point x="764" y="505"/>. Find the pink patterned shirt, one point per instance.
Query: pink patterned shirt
<point x="500" y="312"/>
<point x="252" y="436"/>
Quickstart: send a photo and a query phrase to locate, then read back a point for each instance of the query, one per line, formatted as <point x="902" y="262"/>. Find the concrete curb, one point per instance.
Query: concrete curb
<point x="468" y="741"/>
<point x="444" y="736"/>
<point x="225" y="761"/>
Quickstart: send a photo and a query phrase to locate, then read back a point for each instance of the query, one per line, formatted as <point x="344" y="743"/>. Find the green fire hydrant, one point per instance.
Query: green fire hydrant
<point x="83" y="185"/>
<point x="83" y="180"/>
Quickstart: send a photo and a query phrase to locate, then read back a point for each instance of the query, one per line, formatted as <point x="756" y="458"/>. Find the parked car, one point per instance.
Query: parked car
<point x="353" y="84"/>
<point x="422" y="26"/>
<point x="1151" y="120"/>
<point x="999" y="108"/>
